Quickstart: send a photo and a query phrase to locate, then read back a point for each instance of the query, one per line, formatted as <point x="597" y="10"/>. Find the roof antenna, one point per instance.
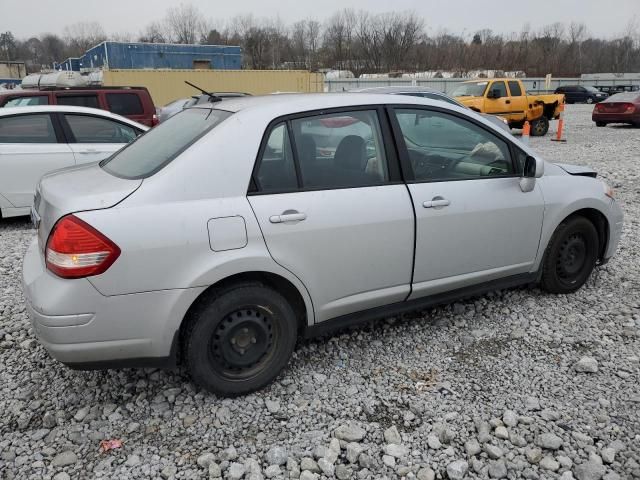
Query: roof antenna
<point x="212" y="96"/>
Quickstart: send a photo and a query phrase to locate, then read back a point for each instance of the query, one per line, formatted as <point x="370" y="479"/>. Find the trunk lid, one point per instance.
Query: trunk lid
<point x="613" y="107"/>
<point x="74" y="189"/>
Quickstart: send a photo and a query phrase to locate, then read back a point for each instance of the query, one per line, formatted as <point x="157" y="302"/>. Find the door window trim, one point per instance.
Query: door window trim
<point x="57" y="128"/>
<point x="403" y="152"/>
<point x="390" y="149"/>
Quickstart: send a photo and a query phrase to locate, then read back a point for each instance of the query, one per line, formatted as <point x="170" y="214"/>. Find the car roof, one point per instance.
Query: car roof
<point x="397" y="89"/>
<point x="296" y="103"/>
<point x="6" y="111"/>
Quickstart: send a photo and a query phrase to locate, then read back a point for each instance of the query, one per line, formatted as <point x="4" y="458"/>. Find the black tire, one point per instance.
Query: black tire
<point x="540" y="127"/>
<point x="601" y="124"/>
<point x="589" y="100"/>
<point x="238" y="340"/>
<point x="570" y="256"/>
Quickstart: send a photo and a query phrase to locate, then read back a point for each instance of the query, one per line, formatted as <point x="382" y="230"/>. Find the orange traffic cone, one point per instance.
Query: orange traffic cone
<point x="526" y="132"/>
<point x="559" y="137"/>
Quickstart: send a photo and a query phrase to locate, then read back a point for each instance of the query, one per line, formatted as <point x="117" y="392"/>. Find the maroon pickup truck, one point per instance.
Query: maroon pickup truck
<point x="131" y="102"/>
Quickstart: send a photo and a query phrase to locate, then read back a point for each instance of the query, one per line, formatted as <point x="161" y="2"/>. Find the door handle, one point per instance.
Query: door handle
<point x="89" y="150"/>
<point x="288" y="216"/>
<point x="437" y="202"/>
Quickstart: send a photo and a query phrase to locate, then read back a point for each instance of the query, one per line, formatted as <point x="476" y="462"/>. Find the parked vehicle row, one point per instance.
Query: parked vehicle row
<point x="580" y="94"/>
<point x="186" y="245"/>
<point x="508" y="98"/>
<point x="38" y="139"/>
<point x="132" y="102"/>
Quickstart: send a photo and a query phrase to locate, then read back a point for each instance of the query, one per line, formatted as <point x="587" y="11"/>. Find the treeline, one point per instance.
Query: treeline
<point x="358" y="41"/>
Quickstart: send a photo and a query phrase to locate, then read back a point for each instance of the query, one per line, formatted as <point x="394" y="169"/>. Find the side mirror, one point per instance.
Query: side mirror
<point x="495" y="93"/>
<point x="533" y="168"/>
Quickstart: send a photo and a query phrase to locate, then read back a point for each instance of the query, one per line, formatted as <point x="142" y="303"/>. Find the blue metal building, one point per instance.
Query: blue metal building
<point x="118" y="55"/>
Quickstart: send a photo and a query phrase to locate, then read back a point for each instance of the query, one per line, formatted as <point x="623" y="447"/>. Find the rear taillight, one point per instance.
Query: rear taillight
<point x="155" y="120"/>
<point x="75" y="249"/>
<point x="629" y="108"/>
<point x="599" y="107"/>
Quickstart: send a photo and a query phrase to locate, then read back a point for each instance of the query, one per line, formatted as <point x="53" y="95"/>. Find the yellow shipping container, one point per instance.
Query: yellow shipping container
<point x="168" y="85"/>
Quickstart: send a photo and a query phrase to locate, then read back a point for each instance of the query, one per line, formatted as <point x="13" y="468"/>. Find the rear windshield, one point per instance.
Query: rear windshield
<point x="156" y="148"/>
<point x="624" y="97"/>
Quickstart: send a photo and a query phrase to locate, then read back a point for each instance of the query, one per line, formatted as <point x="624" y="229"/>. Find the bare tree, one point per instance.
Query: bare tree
<point x="185" y="23"/>
<point x="155" y="32"/>
<point x="81" y="36"/>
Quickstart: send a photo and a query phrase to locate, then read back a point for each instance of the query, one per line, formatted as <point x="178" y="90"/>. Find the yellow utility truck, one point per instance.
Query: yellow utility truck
<point x="508" y="98"/>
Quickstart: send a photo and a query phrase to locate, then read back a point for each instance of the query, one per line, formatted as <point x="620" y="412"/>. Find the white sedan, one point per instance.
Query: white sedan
<point x="36" y="140"/>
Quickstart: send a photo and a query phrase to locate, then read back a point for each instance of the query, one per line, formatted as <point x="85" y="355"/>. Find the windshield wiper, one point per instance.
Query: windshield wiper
<point x="212" y="96"/>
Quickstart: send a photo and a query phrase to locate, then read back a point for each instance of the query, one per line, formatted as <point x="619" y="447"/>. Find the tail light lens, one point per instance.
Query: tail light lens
<point x="155" y="120"/>
<point x="599" y="107"/>
<point x="629" y="108"/>
<point x="75" y="249"/>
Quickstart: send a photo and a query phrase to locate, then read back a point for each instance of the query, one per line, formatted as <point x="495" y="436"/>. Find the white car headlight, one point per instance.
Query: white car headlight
<point x="608" y="191"/>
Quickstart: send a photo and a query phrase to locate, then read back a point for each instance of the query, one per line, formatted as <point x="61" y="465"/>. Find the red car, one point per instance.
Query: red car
<point x="618" y="108"/>
<point x="132" y="102"/>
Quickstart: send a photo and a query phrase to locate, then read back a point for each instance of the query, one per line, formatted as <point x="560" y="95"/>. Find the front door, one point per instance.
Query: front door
<point x="498" y="106"/>
<point x="29" y="148"/>
<point x="474" y="223"/>
<point x="95" y="138"/>
<point x="333" y="211"/>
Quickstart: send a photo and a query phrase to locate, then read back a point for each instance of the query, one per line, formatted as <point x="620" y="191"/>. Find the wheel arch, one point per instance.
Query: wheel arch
<point x="273" y="280"/>
<point x="599" y="220"/>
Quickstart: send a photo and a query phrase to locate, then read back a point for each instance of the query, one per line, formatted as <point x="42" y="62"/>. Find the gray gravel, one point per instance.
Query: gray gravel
<point x="515" y="384"/>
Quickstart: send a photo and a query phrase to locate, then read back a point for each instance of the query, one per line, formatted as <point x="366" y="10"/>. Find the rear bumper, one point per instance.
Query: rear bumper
<point x="85" y="329"/>
<point x="616" y="117"/>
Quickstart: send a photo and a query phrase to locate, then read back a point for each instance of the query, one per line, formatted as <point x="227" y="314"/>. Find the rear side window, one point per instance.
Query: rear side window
<point x="124" y="103"/>
<point x="514" y="88"/>
<point x="90" y="101"/>
<point x="88" y="129"/>
<point x="160" y="145"/>
<point x="277" y="172"/>
<point x="340" y="150"/>
<point x="29" y="101"/>
<point x="27" y="129"/>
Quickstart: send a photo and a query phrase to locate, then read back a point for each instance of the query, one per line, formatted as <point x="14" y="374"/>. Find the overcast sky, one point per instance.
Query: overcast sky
<point x="27" y="18"/>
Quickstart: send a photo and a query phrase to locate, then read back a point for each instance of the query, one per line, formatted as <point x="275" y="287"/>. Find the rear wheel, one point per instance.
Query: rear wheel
<point x="601" y="124"/>
<point x="589" y="100"/>
<point x="540" y="127"/>
<point x="240" y="339"/>
<point x="570" y="256"/>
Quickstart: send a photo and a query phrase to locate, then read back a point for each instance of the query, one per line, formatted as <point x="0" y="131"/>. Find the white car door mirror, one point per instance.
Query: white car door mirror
<point x="533" y="168"/>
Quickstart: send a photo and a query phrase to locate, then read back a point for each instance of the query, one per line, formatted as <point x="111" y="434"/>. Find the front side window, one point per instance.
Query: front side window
<point x="27" y="129"/>
<point x="28" y="101"/>
<point x="87" y="129"/>
<point x="514" y="88"/>
<point x="124" y="104"/>
<point x="446" y="147"/>
<point x="474" y="89"/>
<point x="340" y="150"/>
<point x="500" y="88"/>
<point x="160" y="145"/>
<point x="90" y="101"/>
<point x="277" y="172"/>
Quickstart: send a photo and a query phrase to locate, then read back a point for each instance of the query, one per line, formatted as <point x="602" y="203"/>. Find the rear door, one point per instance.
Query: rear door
<point x="94" y="138"/>
<point x="30" y="146"/>
<point x="474" y="223"/>
<point x="339" y="219"/>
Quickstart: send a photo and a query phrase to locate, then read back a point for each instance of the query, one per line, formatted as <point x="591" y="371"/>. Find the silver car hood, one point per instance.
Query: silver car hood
<point x="74" y="189"/>
<point x="577" y="170"/>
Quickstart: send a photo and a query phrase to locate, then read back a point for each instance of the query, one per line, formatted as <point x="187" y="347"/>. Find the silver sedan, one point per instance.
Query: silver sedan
<point x="223" y="234"/>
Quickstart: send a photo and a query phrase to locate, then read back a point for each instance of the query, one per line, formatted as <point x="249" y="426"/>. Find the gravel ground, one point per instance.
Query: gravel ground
<point x="515" y="384"/>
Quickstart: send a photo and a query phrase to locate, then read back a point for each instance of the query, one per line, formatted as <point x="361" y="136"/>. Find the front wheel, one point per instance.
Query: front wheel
<point x="570" y="256"/>
<point x="540" y="127"/>
<point x="240" y="339"/>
